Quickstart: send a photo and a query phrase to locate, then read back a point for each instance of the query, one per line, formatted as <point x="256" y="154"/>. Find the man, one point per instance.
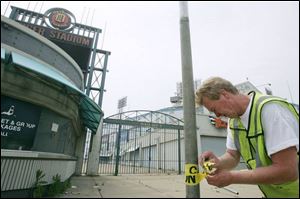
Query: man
<point x="263" y="130"/>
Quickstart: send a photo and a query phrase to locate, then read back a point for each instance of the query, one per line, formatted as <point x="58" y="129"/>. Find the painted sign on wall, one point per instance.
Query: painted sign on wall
<point x="19" y="121"/>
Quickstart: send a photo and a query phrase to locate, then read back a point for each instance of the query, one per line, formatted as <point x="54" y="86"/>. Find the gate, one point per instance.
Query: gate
<point x="139" y="142"/>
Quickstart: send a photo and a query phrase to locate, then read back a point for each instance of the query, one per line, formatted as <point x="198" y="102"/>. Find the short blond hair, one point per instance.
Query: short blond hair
<point x="211" y="89"/>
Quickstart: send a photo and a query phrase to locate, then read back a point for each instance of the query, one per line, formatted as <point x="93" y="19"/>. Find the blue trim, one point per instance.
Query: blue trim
<point x="42" y="69"/>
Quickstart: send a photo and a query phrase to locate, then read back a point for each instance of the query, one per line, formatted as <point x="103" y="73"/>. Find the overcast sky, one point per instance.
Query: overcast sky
<point x="258" y="41"/>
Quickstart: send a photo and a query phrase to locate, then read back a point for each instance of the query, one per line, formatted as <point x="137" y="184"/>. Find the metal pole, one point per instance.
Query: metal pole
<point x="103" y="79"/>
<point x="190" y="136"/>
<point x="179" y="153"/>
<point x="231" y="190"/>
<point x="91" y="71"/>
<point x="118" y="150"/>
<point x="118" y="137"/>
<point x="135" y="132"/>
<point x="149" y="158"/>
<point x="290" y="91"/>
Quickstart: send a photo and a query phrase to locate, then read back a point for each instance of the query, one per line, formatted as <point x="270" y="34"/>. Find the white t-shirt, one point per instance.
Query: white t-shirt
<point x="281" y="128"/>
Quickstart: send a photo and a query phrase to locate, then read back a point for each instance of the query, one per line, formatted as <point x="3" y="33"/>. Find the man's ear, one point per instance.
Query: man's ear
<point x="224" y="93"/>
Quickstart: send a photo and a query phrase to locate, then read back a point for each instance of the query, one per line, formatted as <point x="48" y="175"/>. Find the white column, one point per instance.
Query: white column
<point x="94" y="155"/>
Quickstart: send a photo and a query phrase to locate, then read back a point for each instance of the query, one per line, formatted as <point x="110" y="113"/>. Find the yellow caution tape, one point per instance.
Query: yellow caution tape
<point x="193" y="176"/>
<point x="208" y="167"/>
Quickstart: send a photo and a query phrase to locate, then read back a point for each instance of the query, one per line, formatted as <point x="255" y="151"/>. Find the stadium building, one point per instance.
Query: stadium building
<point x="48" y="62"/>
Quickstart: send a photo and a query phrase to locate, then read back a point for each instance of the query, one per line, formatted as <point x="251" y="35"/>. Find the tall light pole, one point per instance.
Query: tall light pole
<point x="290" y="91"/>
<point x="190" y="135"/>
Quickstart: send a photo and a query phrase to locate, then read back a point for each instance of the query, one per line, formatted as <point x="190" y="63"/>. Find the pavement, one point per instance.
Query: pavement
<point x="149" y="186"/>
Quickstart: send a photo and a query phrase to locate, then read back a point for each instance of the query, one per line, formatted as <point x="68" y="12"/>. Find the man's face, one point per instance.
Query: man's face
<point x="224" y="106"/>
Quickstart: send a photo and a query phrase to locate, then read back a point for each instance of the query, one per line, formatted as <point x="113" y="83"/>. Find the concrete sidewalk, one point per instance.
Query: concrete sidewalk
<point x="149" y="186"/>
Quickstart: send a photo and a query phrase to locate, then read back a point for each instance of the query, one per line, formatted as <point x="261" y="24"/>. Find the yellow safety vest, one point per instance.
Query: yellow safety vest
<point x="251" y="145"/>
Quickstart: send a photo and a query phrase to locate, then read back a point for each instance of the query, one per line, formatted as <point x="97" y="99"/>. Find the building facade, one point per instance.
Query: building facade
<point x="45" y="111"/>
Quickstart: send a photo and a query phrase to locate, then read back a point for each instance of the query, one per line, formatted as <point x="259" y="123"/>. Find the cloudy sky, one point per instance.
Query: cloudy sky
<point x="258" y="41"/>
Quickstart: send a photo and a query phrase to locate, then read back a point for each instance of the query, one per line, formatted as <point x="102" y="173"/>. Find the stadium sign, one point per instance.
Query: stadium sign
<point x="59" y="18"/>
<point x="64" y="37"/>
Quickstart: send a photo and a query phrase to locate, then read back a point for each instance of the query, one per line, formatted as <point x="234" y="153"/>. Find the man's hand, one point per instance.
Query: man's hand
<point x="209" y="156"/>
<point x="220" y="178"/>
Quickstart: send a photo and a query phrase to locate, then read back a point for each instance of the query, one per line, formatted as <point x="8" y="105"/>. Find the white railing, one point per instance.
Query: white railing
<point x="18" y="168"/>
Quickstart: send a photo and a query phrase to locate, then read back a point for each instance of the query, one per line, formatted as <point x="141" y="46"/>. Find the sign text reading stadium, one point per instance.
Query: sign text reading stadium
<point x="61" y="36"/>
